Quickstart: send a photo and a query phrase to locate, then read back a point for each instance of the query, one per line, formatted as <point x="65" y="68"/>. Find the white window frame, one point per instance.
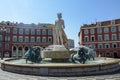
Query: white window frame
<point x="38" y="39"/>
<point x="20" y="38"/>
<point x="50" y="38"/>
<point x="92" y="31"/>
<point x="32" y="31"/>
<point x="7" y="38"/>
<point x="32" y="39"/>
<point x="44" y="32"/>
<point x="8" y="30"/>
<point x="100" y="38"/>
<point x="113" y="29"/>
<point x="92" y="37"/>
<point x="100" y="46"/>
<point x="108" y="45"/>
<point x="114" y="37"/>
<point x="106" y="37"/>
<point x="44" y="39"/>
<point x="119" y="28"/>
<point x="27" y="31"/>
<point x="20" y="30"/>
<point x="106" y="30"/>
<point x="114" y="44"/>
<point x="85" y="31"/>
<point x="26" y="39"/>
<point x="14" y="39"/>
<point x="38" y="31"/>
<point x="1" y="37"/>
<point x="112" y="22"/>
<point x="14" y="30"/>
<point x="7" y="46"/>
<point x="86" y="38"/>
<point x="49" y="32"/>
<point x="99" y="30"/>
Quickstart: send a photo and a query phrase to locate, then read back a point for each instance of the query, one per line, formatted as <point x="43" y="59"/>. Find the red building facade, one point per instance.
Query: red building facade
<point x="103" y="36"/>
<point x="16" y="39"/>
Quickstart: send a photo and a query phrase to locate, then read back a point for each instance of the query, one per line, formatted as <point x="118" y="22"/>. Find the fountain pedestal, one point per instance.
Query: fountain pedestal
<point x="56" y="53"/>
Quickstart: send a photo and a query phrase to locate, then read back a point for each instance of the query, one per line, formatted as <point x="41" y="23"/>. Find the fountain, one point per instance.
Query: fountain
<point x="59" y="64"/>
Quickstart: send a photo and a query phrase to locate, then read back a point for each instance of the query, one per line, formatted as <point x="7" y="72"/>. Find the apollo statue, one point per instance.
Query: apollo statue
<point x="59" y="25"/>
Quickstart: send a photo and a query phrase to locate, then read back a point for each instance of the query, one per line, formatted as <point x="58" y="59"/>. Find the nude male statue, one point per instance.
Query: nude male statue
<point x="59" y="25"/>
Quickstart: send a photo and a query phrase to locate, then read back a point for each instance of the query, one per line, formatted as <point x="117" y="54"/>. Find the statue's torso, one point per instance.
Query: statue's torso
<point x="59" y="24"/>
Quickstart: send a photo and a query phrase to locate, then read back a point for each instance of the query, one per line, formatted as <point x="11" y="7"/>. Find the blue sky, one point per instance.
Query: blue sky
<point x="74" y="12"/>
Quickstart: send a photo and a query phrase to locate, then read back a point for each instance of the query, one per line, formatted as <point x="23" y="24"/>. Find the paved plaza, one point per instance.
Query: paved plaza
<point x="14" y="76"/>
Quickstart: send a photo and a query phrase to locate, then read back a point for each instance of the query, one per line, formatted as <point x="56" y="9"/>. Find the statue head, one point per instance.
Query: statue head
<point x="59" y="15"/>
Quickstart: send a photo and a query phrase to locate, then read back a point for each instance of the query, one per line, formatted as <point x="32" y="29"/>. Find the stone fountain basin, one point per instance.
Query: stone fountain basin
<point x="57" y="55"/>
<point x="61" y="69"/>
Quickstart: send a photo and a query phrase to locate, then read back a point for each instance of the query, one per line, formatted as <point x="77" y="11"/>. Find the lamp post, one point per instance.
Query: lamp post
<point x="3" y="29"/>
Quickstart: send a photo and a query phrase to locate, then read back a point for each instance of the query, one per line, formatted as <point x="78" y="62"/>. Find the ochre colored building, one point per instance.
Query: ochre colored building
<point x="103" y="36"/>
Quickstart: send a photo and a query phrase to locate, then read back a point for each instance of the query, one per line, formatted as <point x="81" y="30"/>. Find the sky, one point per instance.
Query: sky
<point x="75" y="13"/>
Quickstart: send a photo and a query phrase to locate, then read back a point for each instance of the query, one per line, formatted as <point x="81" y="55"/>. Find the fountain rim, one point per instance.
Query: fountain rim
<point x="48" y="65"/>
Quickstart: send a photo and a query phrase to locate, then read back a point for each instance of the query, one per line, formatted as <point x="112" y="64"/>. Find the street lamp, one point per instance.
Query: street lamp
<point x="3" y="29"/>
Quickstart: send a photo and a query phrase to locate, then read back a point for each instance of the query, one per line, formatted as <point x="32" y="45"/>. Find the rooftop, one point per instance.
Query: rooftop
<point x="103" y="23"/>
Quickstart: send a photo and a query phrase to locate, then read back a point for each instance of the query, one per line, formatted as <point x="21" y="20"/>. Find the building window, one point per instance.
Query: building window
<point x="14" y="30"/>
<point x="106" y="37"/>
<point x="99" y="24"/>
<point x="100" y="46"/>
<point x="92" y="38"/>
<point x="26" y="31"/>
<point x="113" y="29"/>
<point x="85" y="31"/>
<point x="26" y="39"/>
<point x="7" y="38"/>
<point x="8" y="30"/>
<point x="99" y="37"/>
<point x="49" y="32"/>
<point x="101" y="54"/>
<point x="7" y="46"/>
<point x="92" y="31"/>
<point x="32" y="39"/>
<point x="119" y="36"/>
<point x="0" y="45"/>
<point x="43" y="32"/>
<point x="38" y="39"/>
<point x="113" y="22"/>
<point x="43" y="39"/>
<point x="118" y="28"/>
<point x="106" y="30"/>
<point x="32" y="31"/>
<point x="114" y="45"/>
<point x="49" y="39"/>
<point x="86" y="39"/>
<point x="14" y="39"/>
<point x="107" y="54"/>
<point x="107" y="45"/>
<point x="20" y="31"/>
<point x="38" y="32"/>
<point x="99" y="30"/>
<point x="20" y="38"/>
<point x="0" y="37"/>
<point x="114" y="37"/>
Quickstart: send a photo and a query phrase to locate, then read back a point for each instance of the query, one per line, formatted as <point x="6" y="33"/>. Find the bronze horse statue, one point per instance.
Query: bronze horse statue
<point x="82" y="55"/>
<point x="79" y="57"/>
<point x="91" y="53"/>
<point x="33" y="55"/>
